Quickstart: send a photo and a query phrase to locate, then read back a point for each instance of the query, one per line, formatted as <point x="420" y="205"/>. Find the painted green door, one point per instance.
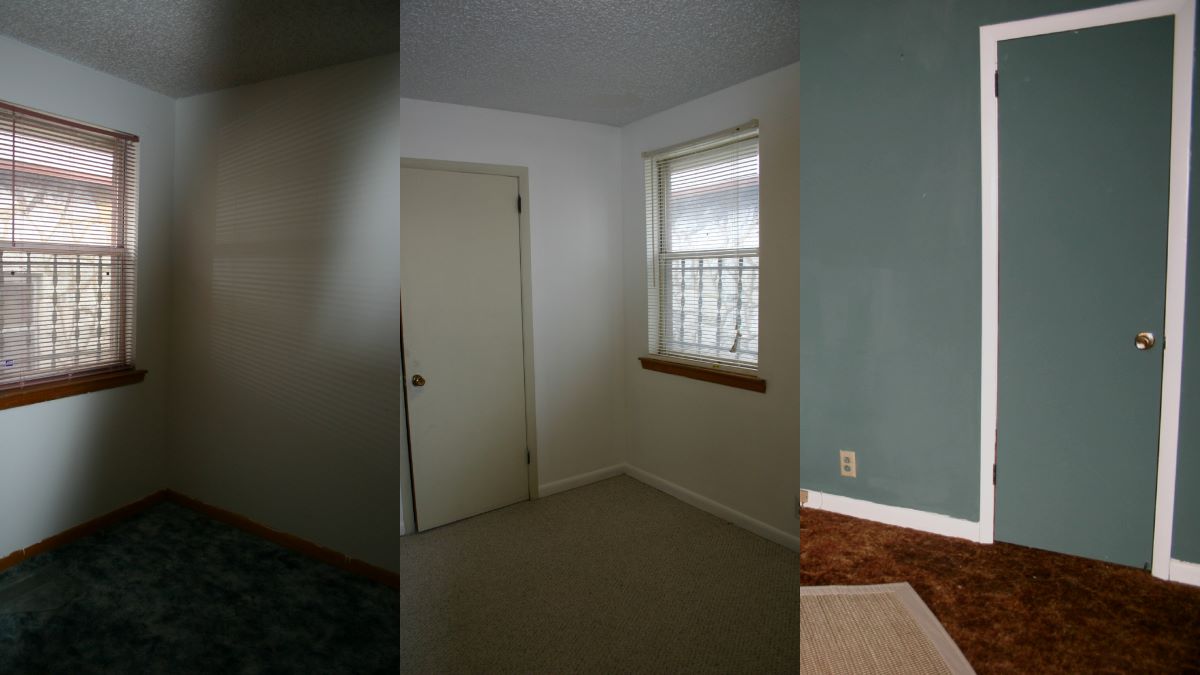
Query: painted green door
<point x="1084" y="133"/>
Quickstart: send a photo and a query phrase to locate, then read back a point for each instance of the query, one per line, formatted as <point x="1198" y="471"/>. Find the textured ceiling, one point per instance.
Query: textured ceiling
<point x="185" y="47"/>
<point x="606" y="61"/>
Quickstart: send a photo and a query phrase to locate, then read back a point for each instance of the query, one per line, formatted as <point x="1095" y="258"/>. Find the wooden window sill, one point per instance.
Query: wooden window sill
<point x="704" y="373"/>
<point x="37" y="392"/>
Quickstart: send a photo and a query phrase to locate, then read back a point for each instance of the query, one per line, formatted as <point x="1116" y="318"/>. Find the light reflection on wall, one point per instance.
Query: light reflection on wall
<point x="291" y="352"/>
<point x="285" y="180"/>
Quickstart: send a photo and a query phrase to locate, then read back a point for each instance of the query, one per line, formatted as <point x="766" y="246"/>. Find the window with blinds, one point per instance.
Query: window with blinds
<point x="702" y="249"/>
<point x="68" y="242"/>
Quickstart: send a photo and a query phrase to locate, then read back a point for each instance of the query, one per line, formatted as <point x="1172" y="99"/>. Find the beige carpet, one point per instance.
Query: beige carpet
<point x="866" y="630"/>
<point x="613" y="577"/>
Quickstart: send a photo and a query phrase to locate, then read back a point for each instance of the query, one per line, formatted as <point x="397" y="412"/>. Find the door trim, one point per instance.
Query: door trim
<point x="522" y="175"/>
<point x="1183" y="12"/>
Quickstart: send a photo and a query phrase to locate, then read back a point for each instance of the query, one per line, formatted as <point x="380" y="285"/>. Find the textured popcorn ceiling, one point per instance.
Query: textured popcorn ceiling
<point x="606" y="61"/>
<point x="185" y="47"/>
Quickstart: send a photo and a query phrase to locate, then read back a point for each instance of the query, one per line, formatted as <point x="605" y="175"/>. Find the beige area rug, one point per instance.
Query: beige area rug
<point x="862" y="630"/>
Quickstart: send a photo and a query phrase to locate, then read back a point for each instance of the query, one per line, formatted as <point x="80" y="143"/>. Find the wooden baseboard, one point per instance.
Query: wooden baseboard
<point x="80" y="531"/>
<point x="291" y="541"/>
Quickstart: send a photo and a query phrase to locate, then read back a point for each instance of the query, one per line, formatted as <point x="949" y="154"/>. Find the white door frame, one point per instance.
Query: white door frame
<point x="1177" y="224"/>
<point x="522" y="175"/>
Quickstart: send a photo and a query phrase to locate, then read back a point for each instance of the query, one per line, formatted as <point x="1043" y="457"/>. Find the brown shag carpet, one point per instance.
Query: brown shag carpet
<point x="1013" y="609"/>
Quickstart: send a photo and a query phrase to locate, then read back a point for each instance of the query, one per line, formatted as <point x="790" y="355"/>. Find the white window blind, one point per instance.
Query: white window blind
<point x="68" y="211"/>
<point x="702" y="249"/>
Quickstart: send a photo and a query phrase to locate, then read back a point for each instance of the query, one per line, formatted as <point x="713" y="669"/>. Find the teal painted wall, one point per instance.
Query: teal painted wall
<point x="889" y="254"/>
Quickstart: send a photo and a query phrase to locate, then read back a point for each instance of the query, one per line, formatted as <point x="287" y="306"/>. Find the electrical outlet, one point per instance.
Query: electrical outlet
<point x="849" y="463"/>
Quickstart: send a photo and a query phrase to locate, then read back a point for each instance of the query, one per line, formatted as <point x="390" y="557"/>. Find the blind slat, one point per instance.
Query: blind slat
<point x="68" y="253"/>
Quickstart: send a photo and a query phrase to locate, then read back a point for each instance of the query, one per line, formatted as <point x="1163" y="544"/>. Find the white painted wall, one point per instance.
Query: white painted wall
<point x="283" y="402"/>
<point x="596" y="408"/>
<point x="285" y="323"/>
<point x="280" y="272"/>
<point x="67" y="461"/>
<point x="737" y="448"/>
<point x="574" y="221"/>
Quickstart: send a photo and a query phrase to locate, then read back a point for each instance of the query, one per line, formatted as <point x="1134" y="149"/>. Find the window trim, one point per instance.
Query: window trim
<point x="28" y="393"/>
<point x="68" y="122"/>
<point x="694" y="366"/>
<point x="714" y="373"/>
<point x="49" y="388"/>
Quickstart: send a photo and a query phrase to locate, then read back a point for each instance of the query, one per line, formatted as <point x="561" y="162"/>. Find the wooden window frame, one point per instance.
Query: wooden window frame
<point x="53" y="387"/>
<point x="678" y="362"/>
<point x="62" y="387"/>
<point x="715" y="375"/>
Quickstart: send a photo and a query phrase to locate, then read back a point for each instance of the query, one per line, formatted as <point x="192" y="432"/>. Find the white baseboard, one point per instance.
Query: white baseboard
<point x="1185" y="572"/>
<point x="925" y="521"/>
<point x="721" y="511"/>
<point x="579" y="480"/>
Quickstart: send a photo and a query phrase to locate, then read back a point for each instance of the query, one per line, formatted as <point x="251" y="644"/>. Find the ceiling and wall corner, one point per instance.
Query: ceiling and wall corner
<point x="272" y="219"/>
<point x="468" y="72"/>
<point x="605" y="62"/>
<point x="608" y="64"/>
<point x="185" y="47"/>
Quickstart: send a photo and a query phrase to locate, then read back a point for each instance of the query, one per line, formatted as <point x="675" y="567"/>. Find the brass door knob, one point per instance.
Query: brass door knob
<point x="419" y="381"/>
<point x="1143" y="341"/>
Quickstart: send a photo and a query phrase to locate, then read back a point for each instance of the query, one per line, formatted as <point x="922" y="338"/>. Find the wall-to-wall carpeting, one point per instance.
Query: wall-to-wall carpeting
<point x="1013" y="609"/>
<point x="613" y="577"/>
<point x="173" y="591"/>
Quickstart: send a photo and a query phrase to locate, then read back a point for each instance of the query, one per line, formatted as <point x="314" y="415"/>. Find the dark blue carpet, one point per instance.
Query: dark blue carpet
<point x="173" y="591"/>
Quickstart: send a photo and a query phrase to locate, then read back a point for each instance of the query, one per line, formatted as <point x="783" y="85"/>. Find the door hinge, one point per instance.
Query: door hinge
<point x="518" y="203"/>
<point x="995" y="452"/>
<point x="527" y="455"/>
<point x="996" y="83"/>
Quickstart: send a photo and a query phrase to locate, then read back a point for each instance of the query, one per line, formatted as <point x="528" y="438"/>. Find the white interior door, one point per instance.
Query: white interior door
<point x="463" y="342"/>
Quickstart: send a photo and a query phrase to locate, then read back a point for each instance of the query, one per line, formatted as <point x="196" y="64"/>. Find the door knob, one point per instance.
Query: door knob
<point x="1144" y="341"/>
<point x="419" y="381"/>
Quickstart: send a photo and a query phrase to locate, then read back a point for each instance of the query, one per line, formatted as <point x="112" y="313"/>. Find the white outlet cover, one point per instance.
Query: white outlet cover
<point x="849" y="463"/>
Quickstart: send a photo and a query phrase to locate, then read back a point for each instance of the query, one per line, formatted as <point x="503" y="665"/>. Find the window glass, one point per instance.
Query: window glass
<point x="702" y="234"/>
